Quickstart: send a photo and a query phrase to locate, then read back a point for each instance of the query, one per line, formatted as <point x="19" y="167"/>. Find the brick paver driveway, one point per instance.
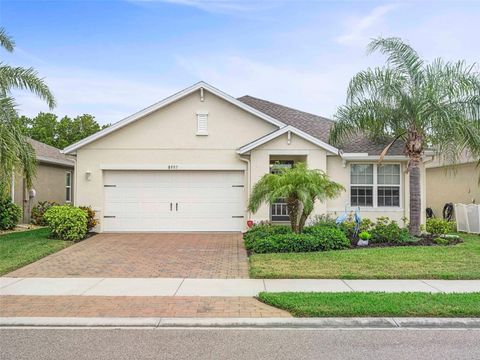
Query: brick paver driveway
<point x="194" y="255"/>
<point x="135" y="306"/>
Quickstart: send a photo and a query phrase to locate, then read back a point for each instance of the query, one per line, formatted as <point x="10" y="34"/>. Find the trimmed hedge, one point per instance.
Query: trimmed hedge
<point x="263" y="231"/>
<point x="286" y="243"/>
<point x="329" y="237"/>
<point x="67" y="222"/>
<point x="280" y="239"/>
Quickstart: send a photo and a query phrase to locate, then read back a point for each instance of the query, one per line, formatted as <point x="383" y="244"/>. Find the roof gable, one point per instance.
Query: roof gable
<point x="246" y="148"/>
<point x="200" y="86"/>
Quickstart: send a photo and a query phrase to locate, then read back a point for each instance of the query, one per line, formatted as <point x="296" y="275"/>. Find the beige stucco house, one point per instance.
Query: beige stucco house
<point x="188" y="163"/>
<point x="457" y="184"/>
<point x="53" y="181"/>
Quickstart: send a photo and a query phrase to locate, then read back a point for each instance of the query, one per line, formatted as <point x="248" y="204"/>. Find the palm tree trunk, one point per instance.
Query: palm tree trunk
<point x="413" y="149"/>
<point x="292" y="208"/>
<point x="303" y="220"/>
<point x="415" y="201"/>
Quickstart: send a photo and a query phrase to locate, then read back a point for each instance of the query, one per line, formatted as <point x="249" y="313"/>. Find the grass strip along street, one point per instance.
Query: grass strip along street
<point x="374" y="304"/>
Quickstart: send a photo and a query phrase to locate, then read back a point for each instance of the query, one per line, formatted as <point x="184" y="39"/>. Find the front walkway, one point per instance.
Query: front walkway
<point x="146" y="255"/>
<point x="180" y="287"/>
<point x="178" y="297"/>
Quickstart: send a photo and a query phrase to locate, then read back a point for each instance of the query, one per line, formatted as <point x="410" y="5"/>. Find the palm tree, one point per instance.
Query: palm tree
<point x="300" y="186"/>
<point x="434" y="105"/>
<point x="16" y="154"/>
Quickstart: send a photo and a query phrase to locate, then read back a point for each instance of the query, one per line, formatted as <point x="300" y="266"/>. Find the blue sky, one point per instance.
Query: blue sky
<point x="112" y="58"/>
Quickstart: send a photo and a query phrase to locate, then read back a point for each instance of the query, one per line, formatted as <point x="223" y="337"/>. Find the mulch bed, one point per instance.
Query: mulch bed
<point x="423" y="240"/>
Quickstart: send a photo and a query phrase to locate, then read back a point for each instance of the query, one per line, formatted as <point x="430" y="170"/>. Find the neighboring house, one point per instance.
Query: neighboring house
<point x="53" y="182"/>
<point x="457" y="184"/>
<point x="188" y="163"/>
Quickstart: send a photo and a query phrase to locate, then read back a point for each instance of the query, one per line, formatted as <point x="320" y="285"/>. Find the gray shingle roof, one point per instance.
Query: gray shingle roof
<point x="318" y="127"/>
<point x="47" y="153"/>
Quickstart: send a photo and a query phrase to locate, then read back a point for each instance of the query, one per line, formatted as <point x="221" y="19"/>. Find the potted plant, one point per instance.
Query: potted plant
<point x="364" y="237"/>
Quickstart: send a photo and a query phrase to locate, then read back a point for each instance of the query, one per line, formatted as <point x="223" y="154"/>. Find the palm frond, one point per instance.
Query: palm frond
<point x="381" y="84"/>
<point x="21" y="78"/>
<point x="16" y="154"/>
<point x="6" y="41"/>
<point x="374" y="118"/>
<point x="400" y="55"/>
<point x="300" y="183"/>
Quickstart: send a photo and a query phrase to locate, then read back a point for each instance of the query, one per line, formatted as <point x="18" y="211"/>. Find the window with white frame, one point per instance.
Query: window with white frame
<point x="202" y="123"/>
<point x="374" y="185"/>
<point x="278" y="210"/>
<point x="68" y="186"/>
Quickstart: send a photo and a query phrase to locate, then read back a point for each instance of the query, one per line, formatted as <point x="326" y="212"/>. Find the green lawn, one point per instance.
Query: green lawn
<point x="375" y="304"/>
<point x="460" y="261"/>
<point x="21" y="248"/>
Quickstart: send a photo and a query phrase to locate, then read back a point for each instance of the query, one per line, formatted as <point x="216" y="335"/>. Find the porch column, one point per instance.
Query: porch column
<point x="259" y="166"/>
<point x="317" y="159"/>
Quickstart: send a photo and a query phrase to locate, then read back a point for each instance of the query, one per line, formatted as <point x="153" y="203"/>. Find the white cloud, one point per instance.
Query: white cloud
<point x="317" y="89"/>
<point x="360" y="29"/>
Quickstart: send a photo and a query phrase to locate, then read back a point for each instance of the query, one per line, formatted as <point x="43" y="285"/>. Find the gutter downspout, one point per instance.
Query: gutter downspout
<point x="249" y="175"/>
<point x="74" y="159"/>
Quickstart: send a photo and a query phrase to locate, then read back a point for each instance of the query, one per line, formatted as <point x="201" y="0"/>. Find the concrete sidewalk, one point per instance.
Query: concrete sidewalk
<point x="183" y="287"/>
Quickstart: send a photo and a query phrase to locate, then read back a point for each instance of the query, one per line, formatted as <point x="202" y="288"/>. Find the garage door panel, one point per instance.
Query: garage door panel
<point x="174" y="201"/>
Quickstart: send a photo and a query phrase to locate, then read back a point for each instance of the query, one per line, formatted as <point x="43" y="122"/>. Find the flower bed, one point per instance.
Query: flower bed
<point x="324" y="234"/>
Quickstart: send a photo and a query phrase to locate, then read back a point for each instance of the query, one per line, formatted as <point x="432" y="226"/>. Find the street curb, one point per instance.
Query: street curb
<point x="301" y="323"/>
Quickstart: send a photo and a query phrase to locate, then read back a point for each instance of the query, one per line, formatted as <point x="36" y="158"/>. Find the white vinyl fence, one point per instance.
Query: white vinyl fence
<point x="468" y="218"/>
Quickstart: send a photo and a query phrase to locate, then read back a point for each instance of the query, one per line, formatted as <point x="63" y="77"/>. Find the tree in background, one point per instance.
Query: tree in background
<point x="47" y="128"/>
<point x="16" y="154"/>
<point x="421" y="104"/>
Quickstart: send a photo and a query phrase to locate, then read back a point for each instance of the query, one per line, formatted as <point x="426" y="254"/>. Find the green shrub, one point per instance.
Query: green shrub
<point x="10" y="214"/>
<point x="404" y="237"/>
<point x="67" y="222"/>
<point x="322" y="220"/>
<point x="91" y="221"/>
<point x="38" y="211"/>
<point x="262" y="246"/>
<point x="263" y="231"/>
<point x="348" y="227"/>
<point x="441" y="241"/>
<point x="314" y="238"/>
<point x="440" y="226"/>
<point x="365" y="235"/>
<point x="283" y="243"/>
<point x="329" y="238"/>
<point x="386" y="230"/>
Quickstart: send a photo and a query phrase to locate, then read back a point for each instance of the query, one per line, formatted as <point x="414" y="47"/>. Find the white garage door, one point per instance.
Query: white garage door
<point x="174" y="201"/>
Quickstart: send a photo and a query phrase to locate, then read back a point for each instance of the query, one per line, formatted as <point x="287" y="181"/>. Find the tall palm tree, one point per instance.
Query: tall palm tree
<point x="16" y="154"/>
<point x="300" y="186"/>
<point x="421" y="104"/>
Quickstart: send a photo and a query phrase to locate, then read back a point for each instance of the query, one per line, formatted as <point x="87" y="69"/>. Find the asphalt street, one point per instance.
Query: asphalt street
<point x="234" y="344"/>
